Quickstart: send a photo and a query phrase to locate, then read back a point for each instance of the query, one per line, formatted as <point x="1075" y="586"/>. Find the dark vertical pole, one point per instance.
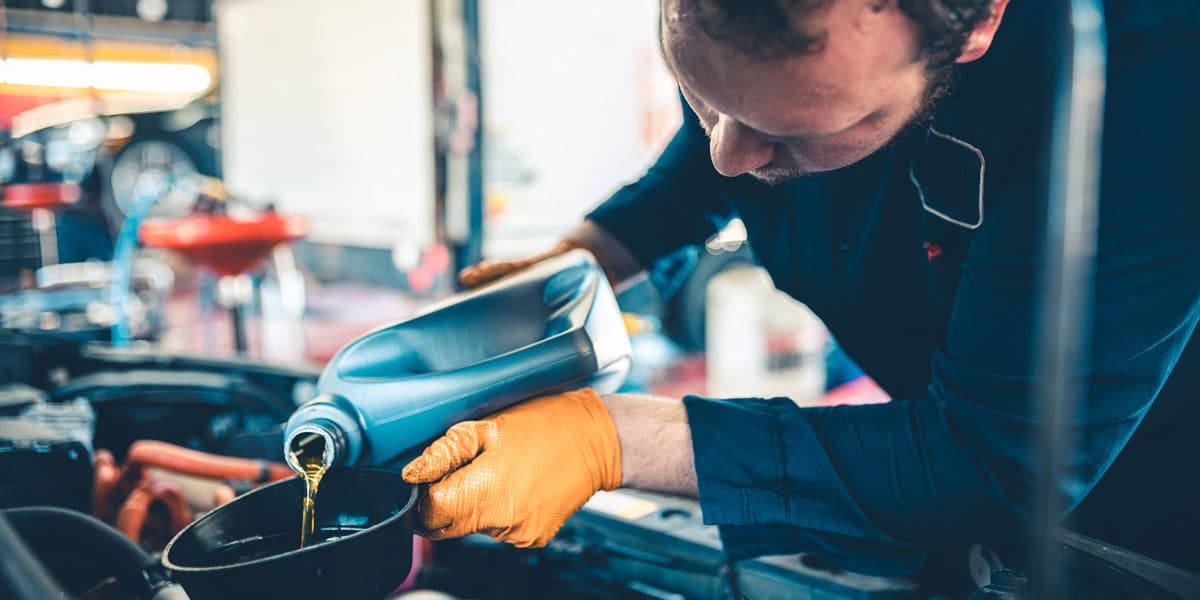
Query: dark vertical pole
<point x="237" y="316"/>
<point x="1074" y="193"/>
<point x="214" y="39"/>
<point x="471" y="251"/>
<point x="441" y="124"/>
<point x="83" y="29"/>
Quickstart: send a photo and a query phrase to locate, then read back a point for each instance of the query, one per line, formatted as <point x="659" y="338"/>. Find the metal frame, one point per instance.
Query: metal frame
<point x="1065" y="315"/>
<point x="63" y="24"/>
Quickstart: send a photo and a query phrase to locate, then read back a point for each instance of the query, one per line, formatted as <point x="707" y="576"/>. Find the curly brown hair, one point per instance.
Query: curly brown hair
<point x="781" y="28"/>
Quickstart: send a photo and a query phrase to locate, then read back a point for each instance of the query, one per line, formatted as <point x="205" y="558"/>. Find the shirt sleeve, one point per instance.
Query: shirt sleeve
<point x="677" y="203"/>
<point x="960" y="465"/>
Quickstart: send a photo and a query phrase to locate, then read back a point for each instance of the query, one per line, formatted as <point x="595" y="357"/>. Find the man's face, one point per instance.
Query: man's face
<point x="780" y="119"/>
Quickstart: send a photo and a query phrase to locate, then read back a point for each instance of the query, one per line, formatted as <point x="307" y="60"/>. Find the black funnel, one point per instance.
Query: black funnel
<point x="249" y="548"/>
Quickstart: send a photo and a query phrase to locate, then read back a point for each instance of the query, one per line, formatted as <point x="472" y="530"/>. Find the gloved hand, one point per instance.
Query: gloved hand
<point x="519" y="474"/>
<point x="490" y="270"/>
<point x="611" y="254"/>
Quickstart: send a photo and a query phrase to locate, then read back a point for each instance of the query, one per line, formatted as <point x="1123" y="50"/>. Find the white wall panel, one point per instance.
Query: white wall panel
<point x="576" y="103"/>
<point x="327" y="110"/>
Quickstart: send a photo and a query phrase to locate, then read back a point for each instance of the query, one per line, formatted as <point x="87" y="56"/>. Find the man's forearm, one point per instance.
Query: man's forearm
<point x="656" y="443"/>
<point x="616" y="259"/>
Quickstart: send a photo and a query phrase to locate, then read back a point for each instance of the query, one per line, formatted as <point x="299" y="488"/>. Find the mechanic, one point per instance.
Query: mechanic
<point x="887" y="159"/>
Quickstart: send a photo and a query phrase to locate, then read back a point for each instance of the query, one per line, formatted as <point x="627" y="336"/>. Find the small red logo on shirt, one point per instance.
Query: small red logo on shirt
<point x="932" y="250"/>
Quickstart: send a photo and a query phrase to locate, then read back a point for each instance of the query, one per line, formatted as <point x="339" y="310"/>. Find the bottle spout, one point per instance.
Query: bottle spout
<point x="319" y="438"/>
<point x="326" y="427"/>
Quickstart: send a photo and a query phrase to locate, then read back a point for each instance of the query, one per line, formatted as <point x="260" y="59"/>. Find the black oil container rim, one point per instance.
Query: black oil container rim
<point x="166" y="553"/>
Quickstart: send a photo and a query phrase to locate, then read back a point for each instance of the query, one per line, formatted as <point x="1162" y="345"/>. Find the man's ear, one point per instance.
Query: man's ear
<point x="981" y="39"/>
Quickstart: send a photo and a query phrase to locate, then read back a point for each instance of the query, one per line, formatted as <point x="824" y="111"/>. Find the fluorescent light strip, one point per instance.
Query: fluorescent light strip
<point x="106" y="75"/>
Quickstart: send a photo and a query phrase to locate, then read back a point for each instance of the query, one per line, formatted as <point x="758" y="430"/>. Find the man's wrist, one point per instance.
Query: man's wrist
<point x="656" y="443"/>
<point x="616" y="259"/>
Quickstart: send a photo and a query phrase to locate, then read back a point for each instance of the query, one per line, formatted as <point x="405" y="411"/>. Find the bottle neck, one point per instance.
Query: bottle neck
<point x="316" y="438"/>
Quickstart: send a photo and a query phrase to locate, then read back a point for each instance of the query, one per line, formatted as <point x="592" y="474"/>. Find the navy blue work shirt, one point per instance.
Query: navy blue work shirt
<point x="923" y="259"/>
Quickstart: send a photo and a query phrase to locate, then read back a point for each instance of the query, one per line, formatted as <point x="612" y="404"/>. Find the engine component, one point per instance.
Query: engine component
<point x="633" y="544"/>
<point x="195" y="409"/>
<point x="74" y="419"/>
<point x="16" y="397"/>
<point x="80" y="551"/>
<point x="42" y="466"/>
<point x="144" y="454"/>
<point x="151" y="510"/>
<point x="36" y="358"/>
<point x="20" y="251"/>
<point x="135" y="515"/>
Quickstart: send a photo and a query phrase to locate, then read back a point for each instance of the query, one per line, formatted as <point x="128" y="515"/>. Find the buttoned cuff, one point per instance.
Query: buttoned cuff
<point x="765" y="481"/>
<point x="761" y="462"/>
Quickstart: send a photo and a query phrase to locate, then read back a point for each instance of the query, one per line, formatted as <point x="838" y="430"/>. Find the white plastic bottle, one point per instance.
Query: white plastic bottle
<point x="761" y="342"/>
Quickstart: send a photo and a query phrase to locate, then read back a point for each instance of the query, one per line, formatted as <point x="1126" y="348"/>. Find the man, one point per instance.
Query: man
<point x="887" y="158"/>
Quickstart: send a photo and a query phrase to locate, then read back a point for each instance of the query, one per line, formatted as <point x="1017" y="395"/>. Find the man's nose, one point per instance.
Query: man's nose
<point x="737" y="149"/>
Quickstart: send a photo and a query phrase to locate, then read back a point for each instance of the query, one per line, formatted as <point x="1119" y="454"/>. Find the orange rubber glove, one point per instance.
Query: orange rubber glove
<point x="519" y="474"/>
<point x="491" y="270"/>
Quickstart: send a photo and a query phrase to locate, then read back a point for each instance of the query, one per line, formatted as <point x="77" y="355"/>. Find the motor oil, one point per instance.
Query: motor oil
<point x="309" y="453"/>
<point x="551" y="328"/>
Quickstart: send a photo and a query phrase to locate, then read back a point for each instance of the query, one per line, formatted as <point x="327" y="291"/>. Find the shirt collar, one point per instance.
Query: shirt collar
<point x="948" y="175"/>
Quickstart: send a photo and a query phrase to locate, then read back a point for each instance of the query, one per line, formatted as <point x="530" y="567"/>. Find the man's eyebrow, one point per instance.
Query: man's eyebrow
<point x="666" y="58"/>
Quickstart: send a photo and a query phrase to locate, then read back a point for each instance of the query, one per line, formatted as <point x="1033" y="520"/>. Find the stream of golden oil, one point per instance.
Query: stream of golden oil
<point x="313" y="468"/>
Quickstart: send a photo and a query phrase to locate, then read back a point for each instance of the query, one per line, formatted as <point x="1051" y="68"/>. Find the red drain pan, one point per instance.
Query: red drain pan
<point x="228" y="246"/>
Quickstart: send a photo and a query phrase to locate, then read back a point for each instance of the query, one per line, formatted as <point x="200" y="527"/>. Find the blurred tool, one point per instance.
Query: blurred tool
<point x="40" y="200"/>
<point x="123" y="253"/>
<point x="227" y="245"/>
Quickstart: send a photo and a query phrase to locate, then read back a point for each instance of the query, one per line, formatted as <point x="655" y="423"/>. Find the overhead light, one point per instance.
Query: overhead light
<point x="106" y="75"/>
<point x="46" y="72"/>
<point x="150" y="77"/>
<point x="152" y="10"/>
<point x="53" y="3"/>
